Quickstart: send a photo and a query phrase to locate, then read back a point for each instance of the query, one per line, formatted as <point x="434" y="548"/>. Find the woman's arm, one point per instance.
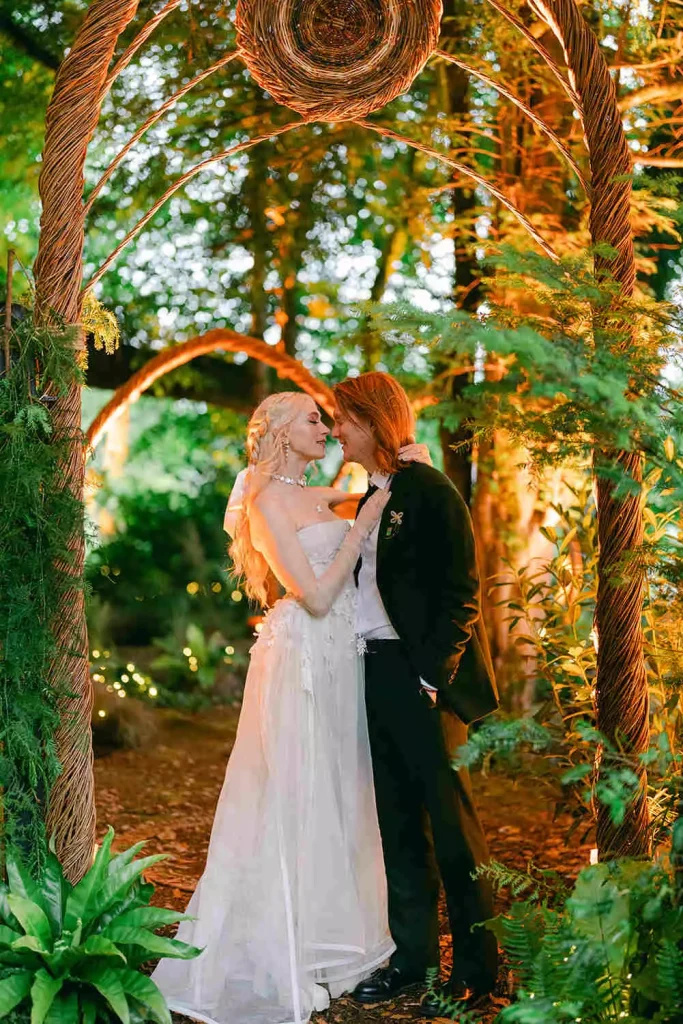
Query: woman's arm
<point x="279" y="542"/>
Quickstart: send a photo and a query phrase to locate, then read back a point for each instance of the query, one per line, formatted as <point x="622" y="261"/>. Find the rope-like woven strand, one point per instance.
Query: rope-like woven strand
<point x="71" y="120"/>
<point x="388" y="133"/>
<point x="542" y="51"/>
<point x="531" y="114"/>
<point x="152" y="119"/>
<point x="140" y="39"/>
<point x="177" y="355"/>
<point x="240" y="147"/>
<point x="622" y="693"/>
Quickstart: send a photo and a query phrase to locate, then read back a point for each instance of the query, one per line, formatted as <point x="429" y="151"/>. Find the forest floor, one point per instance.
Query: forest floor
<point x="166" y="793"/>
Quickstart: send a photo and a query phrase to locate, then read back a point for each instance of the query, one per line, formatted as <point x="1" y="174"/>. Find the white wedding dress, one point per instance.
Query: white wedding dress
<point x="293" y="896"/>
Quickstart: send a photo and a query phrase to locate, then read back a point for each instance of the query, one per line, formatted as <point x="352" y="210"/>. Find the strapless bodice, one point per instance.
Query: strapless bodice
<point x="321" y="542"/>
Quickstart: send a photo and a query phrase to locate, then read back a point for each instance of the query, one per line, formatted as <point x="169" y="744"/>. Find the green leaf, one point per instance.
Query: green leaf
<point x="98" y="945"/>
<point x="8" y="935"/>
<point x="64" y="1009"/>
<point x="153" y="944"/>
<point x="30" y="942"/>
<point x="600" y="911"/>
<point x="13" y="990"/>
<point x="106" y="981"/>
<point x="55" y="889"/>
<point x="150" y="917"/>
<point x="32" y="919"/>
<point x="5" y="912"/>
<point x="21" y="882"/>
<point x="576" y="773"/>
<point x="138" y="896"/>
<point x="88" y="1010"/>
<point x="79" y="898"/>
<point x="146" y="992"/>
<point x="43" y="992"/>
<point x="120" y="881"/>
<point x="125" y="857"/>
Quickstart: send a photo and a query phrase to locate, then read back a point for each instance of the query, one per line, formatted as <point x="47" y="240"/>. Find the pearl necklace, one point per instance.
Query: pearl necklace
<point x="300" y="481"/>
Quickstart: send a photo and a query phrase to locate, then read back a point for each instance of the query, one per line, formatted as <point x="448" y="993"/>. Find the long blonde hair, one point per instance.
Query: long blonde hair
<point x="266" y="436"/>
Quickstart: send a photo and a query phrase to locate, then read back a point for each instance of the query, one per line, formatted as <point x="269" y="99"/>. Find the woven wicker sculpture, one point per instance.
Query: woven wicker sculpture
<point x="334" y="60"/>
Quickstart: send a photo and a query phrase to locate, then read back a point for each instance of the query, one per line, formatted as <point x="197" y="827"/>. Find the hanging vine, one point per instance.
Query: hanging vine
<point x="38" y="515"/>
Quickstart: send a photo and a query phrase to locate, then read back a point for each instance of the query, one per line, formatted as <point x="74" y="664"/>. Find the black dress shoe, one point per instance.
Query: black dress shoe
<point x="442" y="1000"/>
<point x="384" y="984"/>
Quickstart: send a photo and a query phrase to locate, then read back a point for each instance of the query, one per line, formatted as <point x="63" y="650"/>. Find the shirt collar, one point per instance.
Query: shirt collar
<point x="380" y="479"/>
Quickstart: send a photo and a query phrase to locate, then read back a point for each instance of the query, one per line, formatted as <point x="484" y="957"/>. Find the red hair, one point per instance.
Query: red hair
<point x="379" y="401"/>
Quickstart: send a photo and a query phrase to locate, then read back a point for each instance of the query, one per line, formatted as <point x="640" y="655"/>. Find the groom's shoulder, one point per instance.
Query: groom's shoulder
<point x="418" y="476"/>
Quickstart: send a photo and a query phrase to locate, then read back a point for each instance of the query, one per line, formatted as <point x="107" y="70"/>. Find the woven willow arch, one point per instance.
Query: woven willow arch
<point x="82" y="82"/>
<point x="177" y="355"/>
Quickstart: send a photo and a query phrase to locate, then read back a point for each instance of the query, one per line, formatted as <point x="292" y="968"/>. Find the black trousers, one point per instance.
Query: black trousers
<point x="428" y="822"/>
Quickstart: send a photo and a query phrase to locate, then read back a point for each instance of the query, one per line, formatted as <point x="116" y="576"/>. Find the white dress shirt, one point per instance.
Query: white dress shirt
<point x="372" y="621"/>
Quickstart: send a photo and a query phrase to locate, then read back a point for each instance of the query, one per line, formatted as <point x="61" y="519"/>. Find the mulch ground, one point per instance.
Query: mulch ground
<point x="166" y="794"/>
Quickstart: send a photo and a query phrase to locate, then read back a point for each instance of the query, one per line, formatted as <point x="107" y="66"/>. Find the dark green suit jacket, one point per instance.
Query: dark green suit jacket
<point x="428" y="579"/>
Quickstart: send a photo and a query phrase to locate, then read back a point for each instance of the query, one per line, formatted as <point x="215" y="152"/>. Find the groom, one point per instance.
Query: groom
<point x="428" y="674"/>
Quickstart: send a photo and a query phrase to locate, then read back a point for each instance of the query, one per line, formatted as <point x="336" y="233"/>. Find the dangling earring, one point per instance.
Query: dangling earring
<point x="285" y="448"/>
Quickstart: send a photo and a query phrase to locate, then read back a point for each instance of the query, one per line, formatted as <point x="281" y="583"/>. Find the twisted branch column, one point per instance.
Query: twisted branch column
<point x="622" y="693"/>
<point x="71" y="120"/>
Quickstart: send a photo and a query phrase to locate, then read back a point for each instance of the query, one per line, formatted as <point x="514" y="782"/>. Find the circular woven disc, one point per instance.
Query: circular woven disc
<point x="333" y="60"/>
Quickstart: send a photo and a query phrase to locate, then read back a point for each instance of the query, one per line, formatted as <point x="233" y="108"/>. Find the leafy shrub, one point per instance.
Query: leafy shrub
<point x="70" y="954"/>
<point x="609" y="950"/>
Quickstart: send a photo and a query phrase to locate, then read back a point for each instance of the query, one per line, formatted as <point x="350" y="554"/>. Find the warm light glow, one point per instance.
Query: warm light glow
<point x="152" y="691"/>
<point x="125" y="678"/>
<point x="216" y="587"/>
<point x="192" y="588"/>
<point x="122" y="693"/>
<point x="236" y="596"/>
<point x="130" y="666"/>
<point x="187" y="651"/>
<point x="95" y="654"/>
<point x="117" y="685"/>
<point x="102" y="714"/>
<point x="229" y="650"/>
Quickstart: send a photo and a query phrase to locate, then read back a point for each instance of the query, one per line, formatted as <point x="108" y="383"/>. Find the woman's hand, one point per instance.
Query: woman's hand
<point x="415" y="453"/>
<point x="371" y="512"/>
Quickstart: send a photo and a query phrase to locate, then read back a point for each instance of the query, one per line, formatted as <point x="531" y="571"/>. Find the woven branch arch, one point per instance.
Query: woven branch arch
<point x="81" y="84"/>
<point x="313" y="57"/>
<point x="217" y="339"/>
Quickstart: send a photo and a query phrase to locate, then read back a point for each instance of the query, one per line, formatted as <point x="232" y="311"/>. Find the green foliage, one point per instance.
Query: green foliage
<point x="167" y="565"/>
<point x="607" y="951"/>
<point x="38" y="515"/>
<point x="189" y="676"/>
<point x="552" y="615"/>
<point x="72" y="953"/>
<point x="449" y="1007"/>
<point x="573" y="376"/>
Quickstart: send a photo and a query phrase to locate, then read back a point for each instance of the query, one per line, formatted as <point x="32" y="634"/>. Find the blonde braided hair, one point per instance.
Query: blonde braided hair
<point x="267" y="437"/>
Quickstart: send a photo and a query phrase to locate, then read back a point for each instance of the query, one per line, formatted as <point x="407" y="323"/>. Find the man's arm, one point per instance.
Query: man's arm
<point x="452" y="577"/>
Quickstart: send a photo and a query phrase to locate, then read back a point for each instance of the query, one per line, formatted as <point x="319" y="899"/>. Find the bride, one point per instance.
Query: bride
<point x="291" y="908"/>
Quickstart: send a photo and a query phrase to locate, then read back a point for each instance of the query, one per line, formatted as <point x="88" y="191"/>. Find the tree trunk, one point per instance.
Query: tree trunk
<point x="71" y="120"/>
